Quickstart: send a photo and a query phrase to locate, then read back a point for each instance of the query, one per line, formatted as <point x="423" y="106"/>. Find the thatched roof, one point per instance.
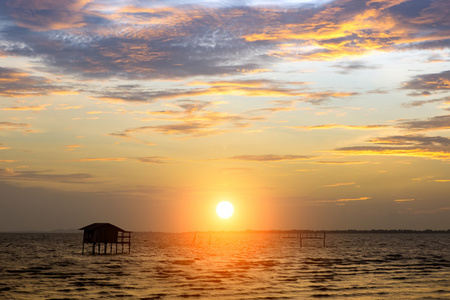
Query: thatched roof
<point x="96" y="226"/>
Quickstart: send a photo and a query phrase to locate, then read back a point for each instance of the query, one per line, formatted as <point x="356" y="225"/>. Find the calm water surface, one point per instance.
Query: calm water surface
<point x="228" y="266"/>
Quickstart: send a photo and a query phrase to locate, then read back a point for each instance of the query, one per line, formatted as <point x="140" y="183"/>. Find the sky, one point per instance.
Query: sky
<point x="319" y="115"/>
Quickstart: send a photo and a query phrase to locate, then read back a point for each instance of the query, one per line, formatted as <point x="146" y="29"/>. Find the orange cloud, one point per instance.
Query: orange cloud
<point x="270" y="158"/>
<point x="18" y="83"/>
<point x="68" y="107"/>
<point x="103" y="159"/>
<point x="4" y="147"/>
<point x="421" y="153"/>
<point x="332" y="126"/>
<point x="339" y="184"/>
<point x="328" y="162"/>
<point x="10" y="126"/>
<point x="334" y="33"/>
<point x="345" y="200"/>
<point x="72" y="147"/>
<point x="148" y="159"/>
<point x="403" y="200"/>
<point x="33" y="107"/>
<point x="41" y="15"/>
<point x="192" y="120"/>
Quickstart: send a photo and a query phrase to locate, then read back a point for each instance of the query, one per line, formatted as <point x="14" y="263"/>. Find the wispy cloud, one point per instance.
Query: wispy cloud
<point x="192" y="119"/>
<point x="417" y="103"/>
<point x="338" y="162"/>
<point x="404" y="200"/>
<point x="433" y="123"/>
<point x="436" y="147"/>
<point x="429" y="82"/>
<point x="350" y="66"/>
<point x="147" y="159"/>
<point x="47" y="176"/>
<point x="47" y="15"/>
<point x="72" y="147"/>
<point x="11" y="126"/>
<point x="148" y="41"/>
<point x="25" y="108"/>
<point x="19" y="83"/>
<point x="333" y="126"/>
<point x="345" y="200"/>
<point x="339" y="184"/>
<point x="270" y="158"/>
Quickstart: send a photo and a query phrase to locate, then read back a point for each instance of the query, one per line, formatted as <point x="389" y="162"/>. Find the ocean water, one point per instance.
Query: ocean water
<point x="224" y="265"/>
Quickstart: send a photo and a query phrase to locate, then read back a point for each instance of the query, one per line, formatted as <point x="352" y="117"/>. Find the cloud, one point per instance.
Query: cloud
<point x="345" y="200"/>
<point x="18" y="83"/>
<point x="403" y="200"/>
<point x="147" y="159"/>
<point x="11" y="126"/>
<point x="272" y="109"/>
<point x="245" y="88"/>
<point x="411" y="139"/>
<point x="430" y="124"/>
<point x="348" y="67"/>
<point x="339" y="184"/>
<point x="146" y="41"/>
<point x="4" y="147"/>
<point x="331" y="162"/>
<point x="429" y="82"/>
<point x="418" y="103"/>
<point x="192" y="119"/>
<point x="422" y="146"/>
<point x="11" y="174"/>
<point x="333" y="126"/>
<point x="72" y="147"/>
<point x="43" y="15"/>
<point x="270" y="158"/>
<point x="25" y="108"/>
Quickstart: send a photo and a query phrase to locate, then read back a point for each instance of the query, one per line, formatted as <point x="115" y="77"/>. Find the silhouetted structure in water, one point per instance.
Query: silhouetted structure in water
<point x="106" y="233"/>
<point x="307" y="235"/>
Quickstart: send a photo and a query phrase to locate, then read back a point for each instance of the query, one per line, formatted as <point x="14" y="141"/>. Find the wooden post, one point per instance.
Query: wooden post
<point x="93" y="248"/>
<point x="324" y="239"/>
<point x="82" y="250"/>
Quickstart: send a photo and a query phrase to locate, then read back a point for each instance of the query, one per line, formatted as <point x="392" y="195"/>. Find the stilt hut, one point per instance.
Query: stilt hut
<point x="99" y="234"/>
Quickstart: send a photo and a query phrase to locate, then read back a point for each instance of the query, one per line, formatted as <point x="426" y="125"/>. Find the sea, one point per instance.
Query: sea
<point x="228" y="265"/>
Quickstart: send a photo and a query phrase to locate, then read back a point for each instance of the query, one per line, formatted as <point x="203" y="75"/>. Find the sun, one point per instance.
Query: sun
<point x="224" y="209"/>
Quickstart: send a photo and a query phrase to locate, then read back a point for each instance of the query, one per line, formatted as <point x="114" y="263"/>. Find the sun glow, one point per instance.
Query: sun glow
<point x="224" y="209"/>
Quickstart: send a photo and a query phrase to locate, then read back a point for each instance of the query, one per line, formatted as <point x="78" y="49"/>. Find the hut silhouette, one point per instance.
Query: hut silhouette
<point x="106" y="233"/>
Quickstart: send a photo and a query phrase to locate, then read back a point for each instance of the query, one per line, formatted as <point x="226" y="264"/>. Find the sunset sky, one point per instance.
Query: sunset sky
<point x="303" y="114"/>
